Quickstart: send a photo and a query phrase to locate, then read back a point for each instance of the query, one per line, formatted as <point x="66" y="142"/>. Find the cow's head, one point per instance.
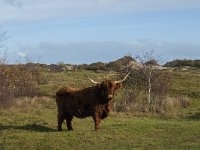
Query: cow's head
<point x="108" y="87"/>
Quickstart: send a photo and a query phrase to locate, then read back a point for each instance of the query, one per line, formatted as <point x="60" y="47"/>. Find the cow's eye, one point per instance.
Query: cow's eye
<point x="110" y="85"/>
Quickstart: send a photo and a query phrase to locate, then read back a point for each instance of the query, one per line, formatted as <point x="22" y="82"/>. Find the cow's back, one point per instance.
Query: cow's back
<point x="66" y="90"/>
<point x="63" y="98"/>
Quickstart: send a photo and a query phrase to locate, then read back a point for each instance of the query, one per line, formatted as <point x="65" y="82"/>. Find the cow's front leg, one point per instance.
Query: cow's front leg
<point x="97" y="120"/>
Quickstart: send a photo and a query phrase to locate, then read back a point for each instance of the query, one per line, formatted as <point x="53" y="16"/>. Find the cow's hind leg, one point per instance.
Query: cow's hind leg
<point x="61" y="118"/>
<point x="69" y="122"/>
<point x="97" y="121"/>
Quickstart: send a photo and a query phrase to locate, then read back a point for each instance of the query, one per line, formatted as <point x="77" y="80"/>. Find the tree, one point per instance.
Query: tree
<point x="147" y="84"/>
<point x="149" y="61"/>
<point x="3" y="38"/>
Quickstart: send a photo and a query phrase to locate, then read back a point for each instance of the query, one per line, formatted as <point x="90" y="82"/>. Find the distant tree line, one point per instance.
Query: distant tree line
<point x="111" y="66"/>
<point x="116" y="65"/>
<point x="183" y="62"/>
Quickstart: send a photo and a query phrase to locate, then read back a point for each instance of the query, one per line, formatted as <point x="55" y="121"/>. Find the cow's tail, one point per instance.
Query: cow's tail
<point x="57" y="96"/>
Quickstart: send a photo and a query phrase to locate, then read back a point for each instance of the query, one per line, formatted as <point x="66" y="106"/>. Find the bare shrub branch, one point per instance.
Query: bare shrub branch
<point x="146" y="85"/>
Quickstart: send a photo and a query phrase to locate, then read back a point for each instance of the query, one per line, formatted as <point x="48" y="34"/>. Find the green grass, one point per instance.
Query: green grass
<point x="34" y="127"/>
<point x="186" y="83"/>
<point x="55" y="81"/>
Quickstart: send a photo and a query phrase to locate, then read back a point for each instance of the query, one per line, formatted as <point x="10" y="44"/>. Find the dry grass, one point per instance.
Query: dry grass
<point x="158" y="105"/>
<point x="30" y="102"/>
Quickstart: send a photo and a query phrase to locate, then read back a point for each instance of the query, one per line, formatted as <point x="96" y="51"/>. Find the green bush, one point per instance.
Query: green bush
<point x="182" y="63"/>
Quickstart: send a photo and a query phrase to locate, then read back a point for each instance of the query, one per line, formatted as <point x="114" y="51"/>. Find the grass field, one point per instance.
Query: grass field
<point x="186" y="83"/>
<point x="34" y="127"/>
<point x="31" y="123"/>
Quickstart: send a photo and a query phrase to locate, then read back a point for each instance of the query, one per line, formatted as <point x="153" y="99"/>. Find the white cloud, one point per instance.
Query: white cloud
<point x="168" y="50"/>
<point x="37" y="9"/>
<point x="21" y="54"/>
<point x="89" y="52"/>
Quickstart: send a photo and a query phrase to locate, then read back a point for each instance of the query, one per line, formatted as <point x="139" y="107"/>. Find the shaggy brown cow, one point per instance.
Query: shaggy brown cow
<point x="93" y="101"/>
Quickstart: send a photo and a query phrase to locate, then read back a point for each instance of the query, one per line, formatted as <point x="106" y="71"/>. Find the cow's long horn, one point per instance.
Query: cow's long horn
<point x="91" y="79"/>
<point x="124" y="78"/>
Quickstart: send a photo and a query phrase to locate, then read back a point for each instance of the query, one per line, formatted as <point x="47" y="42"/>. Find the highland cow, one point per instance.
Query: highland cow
<point x="95" y="101"/>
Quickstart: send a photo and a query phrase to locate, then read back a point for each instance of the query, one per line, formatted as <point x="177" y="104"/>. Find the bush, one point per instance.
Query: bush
<point x="97" y="66"/>
<point x="17" y="81"/>
<point x="184" y="101"/>
<point x="182" y="63"/>
<point x="136" y="96"/>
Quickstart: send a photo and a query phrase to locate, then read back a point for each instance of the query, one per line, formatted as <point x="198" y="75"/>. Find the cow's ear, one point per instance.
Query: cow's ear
<point x="118" y="85"/>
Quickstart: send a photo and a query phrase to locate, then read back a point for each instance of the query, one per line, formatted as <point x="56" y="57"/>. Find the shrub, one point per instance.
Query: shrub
<point x="17" y="81"/>
<point x="182" y="63"/>
<point x="136" y="96"/>
<point x="184" y="101"/>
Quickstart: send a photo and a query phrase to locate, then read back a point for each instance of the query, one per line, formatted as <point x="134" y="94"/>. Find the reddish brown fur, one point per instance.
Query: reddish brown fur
<point x="92" y="101"/>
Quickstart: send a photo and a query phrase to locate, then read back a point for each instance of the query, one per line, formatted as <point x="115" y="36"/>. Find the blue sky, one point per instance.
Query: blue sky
<point x="86" y="31"/>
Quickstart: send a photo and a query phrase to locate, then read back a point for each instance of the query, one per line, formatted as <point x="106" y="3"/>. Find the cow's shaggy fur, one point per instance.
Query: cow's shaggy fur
<point x="93" y="101"/>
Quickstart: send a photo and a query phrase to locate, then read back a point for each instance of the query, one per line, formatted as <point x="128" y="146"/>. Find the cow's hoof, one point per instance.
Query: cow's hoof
<point x="59" y="129"/>
<point x="70" y="129"/>
<point x="96" y="129"/>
